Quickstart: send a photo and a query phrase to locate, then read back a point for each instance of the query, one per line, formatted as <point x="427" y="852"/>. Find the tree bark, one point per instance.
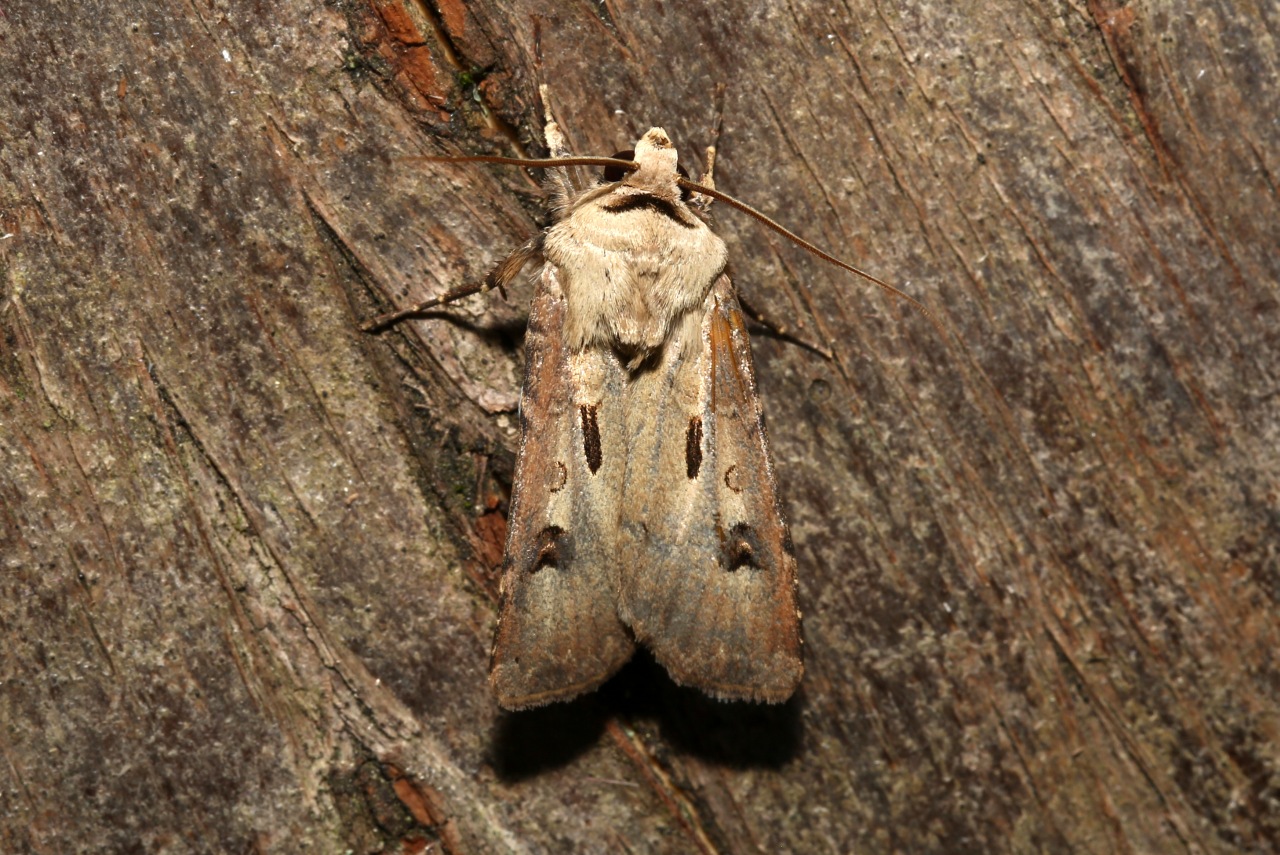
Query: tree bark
<point x="250" y="553"/>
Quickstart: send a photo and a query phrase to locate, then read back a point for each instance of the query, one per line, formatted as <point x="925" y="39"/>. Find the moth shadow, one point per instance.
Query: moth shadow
<point x="731" y="733"/>
<point x="528" y="743"/>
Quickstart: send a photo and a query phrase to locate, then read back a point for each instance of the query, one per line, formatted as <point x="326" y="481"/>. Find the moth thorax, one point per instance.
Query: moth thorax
<point x="679" y="342"/>
<point x="630" y="276"/>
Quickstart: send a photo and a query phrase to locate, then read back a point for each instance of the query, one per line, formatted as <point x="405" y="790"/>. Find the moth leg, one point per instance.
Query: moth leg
<point x="699" y="200"/>
<point x="509" y="268"/>
<point x="566" y="182"/>
<point x="556" y="143"/>
<point x="781" y="331"/>
<point x="500" y="277"/>
<point x="708" y="180"/>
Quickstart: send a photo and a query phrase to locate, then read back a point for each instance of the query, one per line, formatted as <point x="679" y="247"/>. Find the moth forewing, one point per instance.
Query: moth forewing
<point x="559" y="633"/>
<point x="709" y="583"/>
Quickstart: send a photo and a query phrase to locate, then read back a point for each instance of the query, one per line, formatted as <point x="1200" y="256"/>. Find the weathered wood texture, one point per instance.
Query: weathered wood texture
<point x="248" y="552"/>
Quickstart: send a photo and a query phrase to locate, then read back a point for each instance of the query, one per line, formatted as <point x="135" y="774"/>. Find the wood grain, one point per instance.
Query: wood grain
<point x="249" y="552"/>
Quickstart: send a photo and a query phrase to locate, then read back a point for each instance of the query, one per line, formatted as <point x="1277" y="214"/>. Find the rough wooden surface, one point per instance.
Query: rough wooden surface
<point x="247" y="581"/>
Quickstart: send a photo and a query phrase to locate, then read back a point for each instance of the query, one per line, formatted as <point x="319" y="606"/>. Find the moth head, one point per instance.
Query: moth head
<point x="656" y="140"/>
<point x="658" y="166"/>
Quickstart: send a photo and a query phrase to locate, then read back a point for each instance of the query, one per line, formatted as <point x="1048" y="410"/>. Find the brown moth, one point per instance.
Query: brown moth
<point x="644" y="508"/>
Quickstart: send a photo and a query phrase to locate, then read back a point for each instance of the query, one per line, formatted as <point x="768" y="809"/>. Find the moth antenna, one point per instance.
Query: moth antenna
<point x="539" y="162"/>
<point x="695" y="187"/>
<point x="501" y="275"/>
<point x="564" y="181"/>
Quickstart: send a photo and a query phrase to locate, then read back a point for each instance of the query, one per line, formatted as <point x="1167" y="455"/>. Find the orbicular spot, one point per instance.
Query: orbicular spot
<point x="560" y="478"/>
<point x="731" y="479"/>
<point x="591" y="438"/>
<point x="693" y="447"/>
<point x="741" y="548"/>
<point x="551" y="549"/>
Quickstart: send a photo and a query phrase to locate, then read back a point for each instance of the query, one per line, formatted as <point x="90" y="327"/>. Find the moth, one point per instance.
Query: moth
<point x="645" y="509"/>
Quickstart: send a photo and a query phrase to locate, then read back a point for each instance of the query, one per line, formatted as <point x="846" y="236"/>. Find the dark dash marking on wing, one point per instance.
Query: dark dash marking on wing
<point x="693" y="447"/>
<point x="591" y="438"/>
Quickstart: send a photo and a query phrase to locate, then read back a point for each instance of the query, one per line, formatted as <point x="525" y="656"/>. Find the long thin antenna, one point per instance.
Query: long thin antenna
<point x="631" y="166"/>
<point x="799" y="241"/>
<point x="531" y="162"/>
